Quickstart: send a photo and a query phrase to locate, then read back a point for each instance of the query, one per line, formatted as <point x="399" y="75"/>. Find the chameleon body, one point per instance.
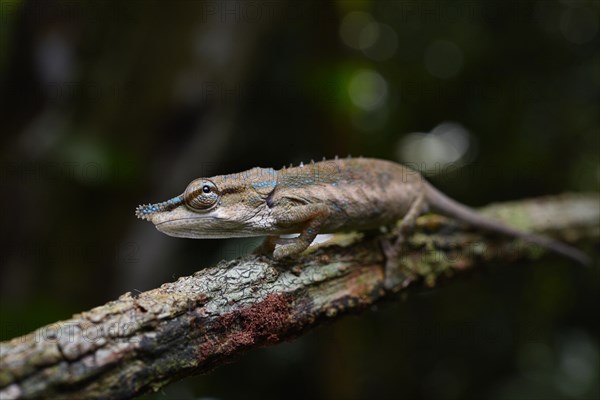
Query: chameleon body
<point x="322" y="197"/>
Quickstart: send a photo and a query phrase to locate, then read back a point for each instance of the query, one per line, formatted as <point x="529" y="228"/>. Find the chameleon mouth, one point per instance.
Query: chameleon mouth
<point x="147" y="211"/>
<point x="187" y="227"/>
<point x="178" y="227"/>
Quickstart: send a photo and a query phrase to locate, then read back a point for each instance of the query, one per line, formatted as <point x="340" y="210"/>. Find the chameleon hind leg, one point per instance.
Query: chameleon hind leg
<point x="394" y="277"/>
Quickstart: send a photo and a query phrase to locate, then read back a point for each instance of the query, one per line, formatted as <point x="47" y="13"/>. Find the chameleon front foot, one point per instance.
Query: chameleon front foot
<point x="286" y="248"/>
<point x="280" y="248"/>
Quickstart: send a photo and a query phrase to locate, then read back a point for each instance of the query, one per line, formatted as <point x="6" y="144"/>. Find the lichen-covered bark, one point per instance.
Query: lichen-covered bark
<point x="139" y="343"/>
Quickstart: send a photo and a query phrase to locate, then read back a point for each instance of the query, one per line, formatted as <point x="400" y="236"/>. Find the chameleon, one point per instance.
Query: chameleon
<point x="320" y="197"/>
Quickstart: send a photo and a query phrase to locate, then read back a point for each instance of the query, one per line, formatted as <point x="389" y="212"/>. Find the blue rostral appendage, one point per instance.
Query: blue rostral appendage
<point x="146" y="210"/>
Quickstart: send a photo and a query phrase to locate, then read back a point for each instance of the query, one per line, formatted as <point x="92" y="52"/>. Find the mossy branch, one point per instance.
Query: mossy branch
<point x="139" y="343"/>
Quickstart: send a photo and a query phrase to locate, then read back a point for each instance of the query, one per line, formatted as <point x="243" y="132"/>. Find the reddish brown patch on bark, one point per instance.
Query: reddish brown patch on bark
<point x="261" y="323"/>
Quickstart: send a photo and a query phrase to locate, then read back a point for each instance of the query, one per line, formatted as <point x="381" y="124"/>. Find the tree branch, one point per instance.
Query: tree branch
<point x="139" y="343"/>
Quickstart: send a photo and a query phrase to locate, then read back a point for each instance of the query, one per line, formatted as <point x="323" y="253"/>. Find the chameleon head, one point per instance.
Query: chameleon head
<point x="209" y="208"/>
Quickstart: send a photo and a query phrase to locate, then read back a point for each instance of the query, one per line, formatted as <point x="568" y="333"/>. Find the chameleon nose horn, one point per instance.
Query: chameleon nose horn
<point x="145" y="211"/>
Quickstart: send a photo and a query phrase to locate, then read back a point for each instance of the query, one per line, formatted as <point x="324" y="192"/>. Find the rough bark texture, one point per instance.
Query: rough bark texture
<point x="141" y="342"/>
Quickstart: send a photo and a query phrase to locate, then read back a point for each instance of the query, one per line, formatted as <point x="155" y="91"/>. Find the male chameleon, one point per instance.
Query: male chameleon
<point x="322" y="197"/>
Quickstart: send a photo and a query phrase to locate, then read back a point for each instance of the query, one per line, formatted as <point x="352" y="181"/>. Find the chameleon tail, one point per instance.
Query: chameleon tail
<point x="442" y="203"/>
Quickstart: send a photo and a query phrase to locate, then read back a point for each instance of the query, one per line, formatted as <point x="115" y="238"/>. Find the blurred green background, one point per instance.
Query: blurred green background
<point x="106" y="105"/>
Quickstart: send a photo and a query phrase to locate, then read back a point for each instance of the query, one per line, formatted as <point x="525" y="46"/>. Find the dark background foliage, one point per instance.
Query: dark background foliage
<point x="106" y="105"/>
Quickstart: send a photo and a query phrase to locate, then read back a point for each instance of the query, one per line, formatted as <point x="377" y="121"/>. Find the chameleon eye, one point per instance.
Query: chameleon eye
<point x="201" y="195"/>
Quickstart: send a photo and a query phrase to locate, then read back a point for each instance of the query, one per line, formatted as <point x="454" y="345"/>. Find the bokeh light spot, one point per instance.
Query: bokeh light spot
<point x="358" y="29"/>
<point x="367" y="89"/>
<point x="448" y="143"/>
<point x="385" y="44"/>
